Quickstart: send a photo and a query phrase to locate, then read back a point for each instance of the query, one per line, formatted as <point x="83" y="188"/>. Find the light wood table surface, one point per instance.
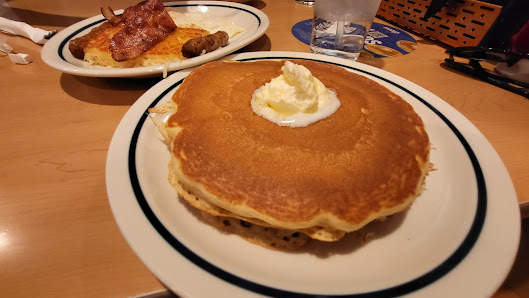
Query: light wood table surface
<point x="57" y="234"/>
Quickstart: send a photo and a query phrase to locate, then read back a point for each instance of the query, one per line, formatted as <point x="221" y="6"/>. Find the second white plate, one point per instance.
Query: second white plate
<point x="55" y="51"/>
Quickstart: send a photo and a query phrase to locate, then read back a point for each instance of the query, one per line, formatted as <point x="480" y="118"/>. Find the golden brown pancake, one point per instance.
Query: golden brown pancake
<point x="366" y="161"/>
<point x="262" y="235"/>
<point x="97" y="50"/>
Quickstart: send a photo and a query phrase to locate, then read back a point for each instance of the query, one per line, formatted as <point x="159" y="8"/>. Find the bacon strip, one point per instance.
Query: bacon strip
<point x="145" y="25"/>
<point x="108" y="13"/>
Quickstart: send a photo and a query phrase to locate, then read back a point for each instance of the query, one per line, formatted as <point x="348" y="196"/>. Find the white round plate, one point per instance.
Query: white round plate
<point x="458" y="239"/>
<point x="55" y="52"/>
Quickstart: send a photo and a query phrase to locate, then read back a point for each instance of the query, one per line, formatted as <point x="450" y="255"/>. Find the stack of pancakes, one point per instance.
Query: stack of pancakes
<point x="280" y="186"/>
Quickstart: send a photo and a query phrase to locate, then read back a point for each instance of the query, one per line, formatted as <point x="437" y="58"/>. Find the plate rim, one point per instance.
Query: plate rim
<point x="478" y="220"/>
<point x="51" y="52"/>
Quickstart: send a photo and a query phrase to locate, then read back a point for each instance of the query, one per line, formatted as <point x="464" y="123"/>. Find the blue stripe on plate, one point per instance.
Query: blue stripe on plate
<point x="70" y="37"/>
<point x="67" y="39"/>
<point x="405" y="288"/>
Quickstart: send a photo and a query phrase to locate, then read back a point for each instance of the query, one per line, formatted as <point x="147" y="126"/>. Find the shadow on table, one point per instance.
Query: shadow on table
<point x="256" y="3"/>
<point x="518" y="278"/>
<point x="263" y="43"/>
<point x="35" y="18"/>
<point x="106" y="91"/>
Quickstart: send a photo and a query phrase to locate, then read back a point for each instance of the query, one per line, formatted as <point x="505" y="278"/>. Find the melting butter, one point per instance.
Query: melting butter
<point x="295" y="98"/>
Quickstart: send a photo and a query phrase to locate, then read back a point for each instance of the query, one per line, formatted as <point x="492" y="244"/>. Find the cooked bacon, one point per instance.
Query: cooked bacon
<point x="108" y="13"/>
<point x="145" y="25"/>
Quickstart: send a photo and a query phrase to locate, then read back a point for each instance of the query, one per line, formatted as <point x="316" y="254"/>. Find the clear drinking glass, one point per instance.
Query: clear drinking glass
<point x="339" y="27"/>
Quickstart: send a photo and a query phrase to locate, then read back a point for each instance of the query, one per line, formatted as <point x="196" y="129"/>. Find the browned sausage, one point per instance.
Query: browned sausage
<point x="195" y="46"/>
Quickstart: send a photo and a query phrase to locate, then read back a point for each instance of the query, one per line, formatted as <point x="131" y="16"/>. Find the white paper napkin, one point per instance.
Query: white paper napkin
<point x="23" y="29"/>
<point x="19" y="58"/>
<point x="4" y="47"/>
<point x="37" y="35"/>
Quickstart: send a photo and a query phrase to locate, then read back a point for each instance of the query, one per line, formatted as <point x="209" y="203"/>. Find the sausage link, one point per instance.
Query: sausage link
<point x="195" y="46"/>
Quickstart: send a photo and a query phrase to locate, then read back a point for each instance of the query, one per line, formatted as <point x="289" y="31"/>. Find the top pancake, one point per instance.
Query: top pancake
<point x="367" y="160"/>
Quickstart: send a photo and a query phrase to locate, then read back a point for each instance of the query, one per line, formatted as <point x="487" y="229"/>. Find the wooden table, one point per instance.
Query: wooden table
<point x="57" y="234"/>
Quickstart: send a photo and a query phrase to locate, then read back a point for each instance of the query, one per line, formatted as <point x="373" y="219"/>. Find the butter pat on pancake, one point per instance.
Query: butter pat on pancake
<point x="295" y="98"/>
<point x="366" y="161"/>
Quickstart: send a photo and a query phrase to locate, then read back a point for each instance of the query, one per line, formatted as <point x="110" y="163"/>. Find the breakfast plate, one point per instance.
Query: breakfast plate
<point x="55" y="51"/>
<point x="459" y="238"/>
